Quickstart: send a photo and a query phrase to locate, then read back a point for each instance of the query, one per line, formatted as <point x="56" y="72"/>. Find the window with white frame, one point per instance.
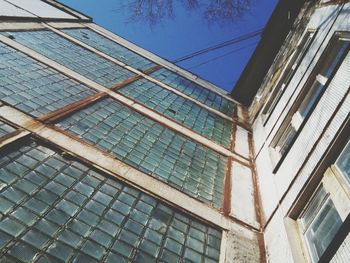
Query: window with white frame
<point x="321" y="220"/>
<point x="343" y="162"/>
<point x="310" y="94"/>
<point x="320" y="223"/>
<point x="288" y="73"/>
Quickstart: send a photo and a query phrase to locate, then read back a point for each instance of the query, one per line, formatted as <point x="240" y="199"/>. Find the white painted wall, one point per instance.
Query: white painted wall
<point x="241" y="142"/>
<point x="242" y="194"/>
<point x="290" y="179"/>
<point x="7" y="9"/>
<point x="343" y="253"/>
<point x="31" y="8"/>
<point x="276" y="241"/>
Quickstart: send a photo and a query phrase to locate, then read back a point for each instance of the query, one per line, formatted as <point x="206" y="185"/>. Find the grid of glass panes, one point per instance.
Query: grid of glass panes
<point x="5" y="129"/>
<point x="33" y="87"/>
<point x="110" y="48"/>
<point x="151" y="148"/>
<point x="320" y="223"/>
<point x="55" y="209"/>
<point x="181" y="110"/>
<point x="195" y="91"/>
<point x="72" y="56"/>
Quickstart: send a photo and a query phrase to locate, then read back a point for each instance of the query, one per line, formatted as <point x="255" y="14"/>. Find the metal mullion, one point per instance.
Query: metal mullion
<point x="135" y="71"/>
<point x="74" y="107"/>
<point x="163" y="63"/>
<point x="12" y="137"/>
<point x="53" y="116"/>
<point x="123" y="99"/>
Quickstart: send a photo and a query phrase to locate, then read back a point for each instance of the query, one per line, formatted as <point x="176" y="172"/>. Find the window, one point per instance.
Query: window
<point x="319" y="223"/>
<point x="288" y="73"/>
<point x="343" y="162"/>
<point x="309" y="96"/>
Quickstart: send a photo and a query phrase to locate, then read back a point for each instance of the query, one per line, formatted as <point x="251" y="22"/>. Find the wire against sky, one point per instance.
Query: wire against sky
<point x="220" y="45"/>
<point x="223" y="55"/>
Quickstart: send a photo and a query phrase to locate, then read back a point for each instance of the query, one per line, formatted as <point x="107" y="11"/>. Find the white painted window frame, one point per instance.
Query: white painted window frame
<point x="337" y="190"/>
<point x="337" y="170"/>
<point x="288" y="72"/>
<point x="294" y="115"/>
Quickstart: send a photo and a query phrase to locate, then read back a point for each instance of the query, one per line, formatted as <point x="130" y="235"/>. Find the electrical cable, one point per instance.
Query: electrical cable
<point x="223" y="55"/>
<point x="220" y="45"/>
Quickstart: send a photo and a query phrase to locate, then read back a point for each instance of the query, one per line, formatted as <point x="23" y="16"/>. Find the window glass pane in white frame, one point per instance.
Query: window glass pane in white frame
<point x="343" y="162"/>
<point x="286" y="139"/>
<point x="313" y="207"/>
<point x="326" y="71"/>
<point x="310" y="98"/>
<point x="321" y="79"/>
<point x="322" y="230"/>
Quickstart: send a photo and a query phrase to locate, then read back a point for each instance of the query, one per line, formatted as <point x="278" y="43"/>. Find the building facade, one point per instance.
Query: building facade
<point x="300" y="127"/>
<point x="112" y="154"/>
<point x="109" y="153"/>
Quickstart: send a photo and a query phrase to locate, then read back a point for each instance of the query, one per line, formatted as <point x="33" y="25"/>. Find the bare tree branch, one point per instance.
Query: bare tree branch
<point x="215" y="11"/>
<point x="219" y="11"/>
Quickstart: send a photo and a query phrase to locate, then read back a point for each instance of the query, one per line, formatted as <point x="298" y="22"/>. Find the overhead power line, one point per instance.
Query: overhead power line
<point x="220" y="45"/>
<point x="223" y="55"/>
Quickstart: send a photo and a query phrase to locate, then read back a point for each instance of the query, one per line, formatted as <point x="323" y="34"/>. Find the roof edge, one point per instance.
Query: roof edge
<point x="79" y="15"/>
<point x="272" y="39"/>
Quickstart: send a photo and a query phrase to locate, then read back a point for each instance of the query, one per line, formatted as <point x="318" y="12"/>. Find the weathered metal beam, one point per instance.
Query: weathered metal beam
<point x="125" y="100"/>
<point x="106" y="162"/>
<point x="226" y="204"/>
<point x="13" y="136"/>
<point x="56" y="115"/>
<point x="136" y="71"/>
<point x="166" y="64"/>
<point x="71" y="108"/>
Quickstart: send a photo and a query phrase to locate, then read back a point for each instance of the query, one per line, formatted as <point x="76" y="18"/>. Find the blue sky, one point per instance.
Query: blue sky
<point x="184" y="34"/>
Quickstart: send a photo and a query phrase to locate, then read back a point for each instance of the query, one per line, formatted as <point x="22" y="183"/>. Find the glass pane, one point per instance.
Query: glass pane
<point x="286" y="139"/>
<point x="195" y="91"/>
<point x="33" y="87"/>
<point x="304" y="46"/>
<point x="343" y="162"/>
<point x="181" y="110"/>
<point x="310" y="98"/>
<point x="313" y="207"/>
<point x="334" y="58"/>
<point x="328" y="67"/>
<point x="72" y="56"/>
<point x="151" y="148"/>
<point x="55" y="209"/>
<point x="5" y="129"/>
<point x="323" y="229"/>
<point x="110" y="48"/>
